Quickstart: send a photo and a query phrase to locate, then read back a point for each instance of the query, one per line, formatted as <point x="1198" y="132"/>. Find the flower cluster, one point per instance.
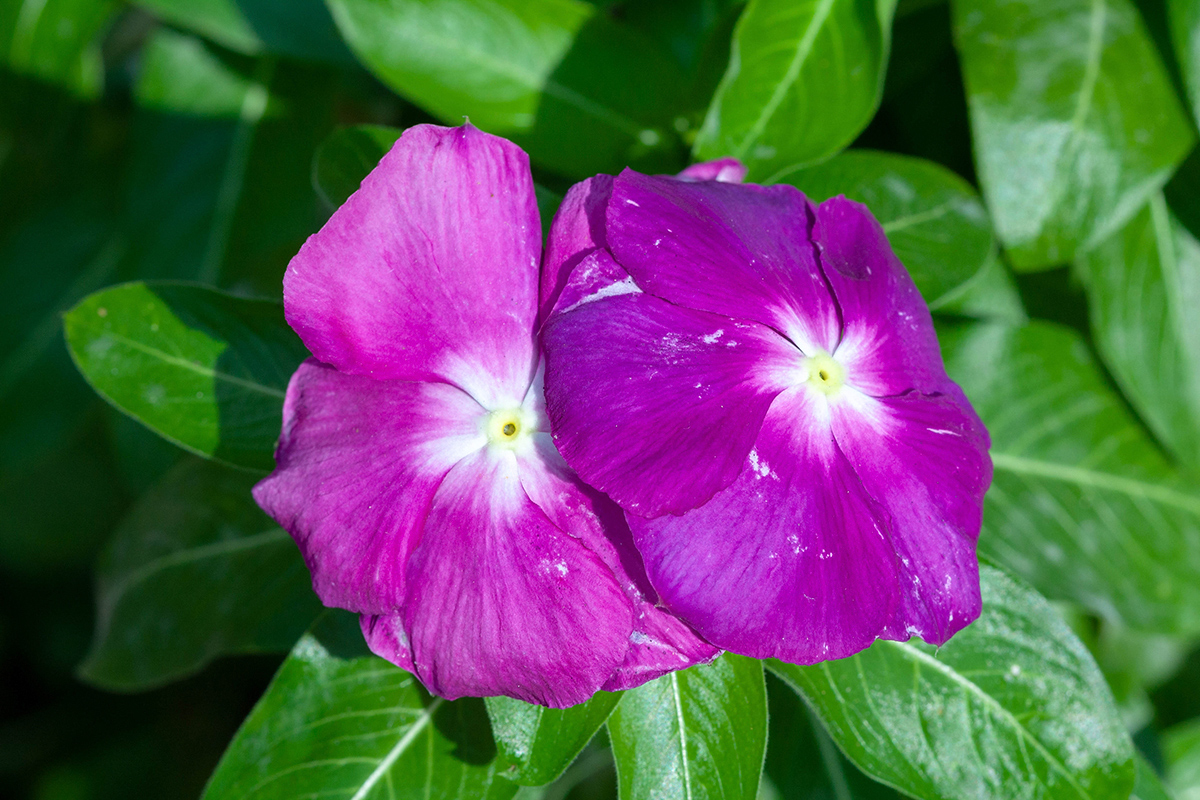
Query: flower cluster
<point x="712" y="416"/>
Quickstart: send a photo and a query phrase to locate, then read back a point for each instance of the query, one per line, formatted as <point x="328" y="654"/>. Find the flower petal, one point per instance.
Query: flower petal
<point x="386" y="638"/>
<point x="429" y="271"/>
<point x="791" y="561"/>
<point x="595" y="277"/>
<point x="742" y="251"/>
<point x="501" y="601"/>
<point x="924" y="459"/>
<point x="358" y="462"/>
<point x="654" y="404"/>
<point x="577" y="229"/>
<point x="726" y="170"/>
<point x="659" y="642"/>
<point x="888" y="343"/>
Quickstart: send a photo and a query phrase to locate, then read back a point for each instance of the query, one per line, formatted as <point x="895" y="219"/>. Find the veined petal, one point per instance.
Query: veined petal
<point x="924" y="459"/>
<point x="358" y="463"/>
<point x="429" y="271"/>
<point x="658" y="642"/>
<point x="501" y="601"/>
<point x="793" y="560"/>
<point x="577" y="229"/>
<point x="740" y="251"/>
<point x="594" y="277"/>
<point x="888" y="343"/>
<point x="654" y="404"/>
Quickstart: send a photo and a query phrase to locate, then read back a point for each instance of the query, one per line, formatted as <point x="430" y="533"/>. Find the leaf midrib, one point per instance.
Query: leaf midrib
<point x="1099" y="480"/>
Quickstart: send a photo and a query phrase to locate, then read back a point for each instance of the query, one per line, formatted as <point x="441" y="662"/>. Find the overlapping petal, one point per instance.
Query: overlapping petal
<point x="577" y="230"/>
<point x="740" y="251"/>
<point x="358" y="463"/>
<point x="654" y="404"/>
<point x="429" y="271"/>
<point x="793" y="560"/>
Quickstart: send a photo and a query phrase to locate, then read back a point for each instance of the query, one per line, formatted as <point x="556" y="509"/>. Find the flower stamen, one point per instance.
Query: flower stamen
<point x="825" y="374"/>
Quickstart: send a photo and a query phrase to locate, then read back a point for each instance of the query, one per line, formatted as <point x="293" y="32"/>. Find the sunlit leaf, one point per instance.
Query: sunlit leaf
<point x="804" y="79"/>
<point x="1074" y="120"/>
<point x="202" y="368"/>
<point x="1012" y="706"/>
<point x="539" y="743"/>
<point x="1184" y="18"/>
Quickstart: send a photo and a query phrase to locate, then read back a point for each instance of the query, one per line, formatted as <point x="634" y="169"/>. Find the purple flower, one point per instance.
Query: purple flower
<point x="756" y="381"/>
<point x="415" y="470"/>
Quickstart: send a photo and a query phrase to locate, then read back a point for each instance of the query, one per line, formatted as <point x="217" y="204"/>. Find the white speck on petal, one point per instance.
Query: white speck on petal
<point x="714" y="336"/>
<point x="630" y="202"/>
<point x="943" y="432"/>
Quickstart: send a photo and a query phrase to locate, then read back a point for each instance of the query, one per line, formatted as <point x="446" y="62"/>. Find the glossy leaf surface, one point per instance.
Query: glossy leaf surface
<point x="1143" y="290"/>
<point x="57" y="41"/>
<point x="1013" y="705"/>
<point x="578" y="91"/>
<point x="1074" y="120"/>
<point x="338" y="722"/>
<point x="1082" y="505"/>
<point x="195" y="571"/>
<point x="539" y="743"/>
<point x="933" y="218"/>
<point x="202" y="368"/>
<point x="804" y="78"/>
<point x="698" y="733"/>
<point x="1184" y="18"/>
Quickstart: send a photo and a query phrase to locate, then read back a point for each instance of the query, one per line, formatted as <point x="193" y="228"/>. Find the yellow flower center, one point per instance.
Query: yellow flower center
<point x="504" y="427"/>
<point x="825" y="374"/>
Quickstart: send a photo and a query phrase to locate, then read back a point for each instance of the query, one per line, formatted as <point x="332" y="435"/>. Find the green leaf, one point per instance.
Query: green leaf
<point x="698" y="733"/>
<point x="1012" y="706"/>
<point x="202" y="368"/>
<point x="933" y="218"/>
<point x="297" y="28"/>
<point x="991" y="294"/>
<point x="804" y="79"/>
<point x="57" y="41"/>
<point x="195" y="571"/>
<point x="1082" y="505"/>
<point x="1181" y="751"/>
<point x="1074" y="120"/>
<point x="1184" y="16"/>
<point x="1148" y="785"/>
<point x="1143" y="286"/>
<point x="346" y="157"/>
<point x="540" y="743"/>
<point x="338" y="722"/>
<point x="578" y="91"/>
<point x="803" y="763"/>
<point x="181" y="75"/>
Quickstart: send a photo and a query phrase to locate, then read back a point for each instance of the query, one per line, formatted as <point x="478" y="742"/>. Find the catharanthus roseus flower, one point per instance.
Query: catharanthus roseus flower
<point x="756" y="381"/>
<point x="415" y="469"/>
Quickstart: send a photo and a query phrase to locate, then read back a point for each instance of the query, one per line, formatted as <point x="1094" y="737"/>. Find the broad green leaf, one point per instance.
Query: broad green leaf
<point x="540" y="743"/>
<point x="1184" y="18"/>
<point x="202" y="368"/>
<point x="578" y="91"/>
<point x="1012" y="706"/>
<point x="1074" y="120"/>
<point x="804" y="78"/>
<point x="297" y="28"/>
<point x="1143" y="287"/>
<point x="1082" y="505"/>
<point x="933" y="218"/>
<point x="57" y="41"/>
<point x="181" y="75"/>
<point x="346" y="157"/>
<point x="698" y="733"/>
<point x="803" y="763"/>
<point x="991" y="294"/>
<point x="1181" y="751"/>
<point x="338" y="722"/>
<point x="1148" y="785"/>
<point x="195" y="571"/>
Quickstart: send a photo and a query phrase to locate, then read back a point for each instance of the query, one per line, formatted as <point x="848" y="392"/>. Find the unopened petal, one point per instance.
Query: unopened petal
<point x="358" y="462"/>
<point x="429" y="271"/>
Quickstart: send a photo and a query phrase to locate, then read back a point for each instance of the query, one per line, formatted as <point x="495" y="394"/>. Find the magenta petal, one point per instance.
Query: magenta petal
<point x="741" y="251"/>
<point x="358" y="462"/>
<point x="654" y="404"/>
<point x="501" y="601"/>
<point x="925" y="460"/>
<point x="386" y="637"/>
<point x="726" y="170"/>
<point x="595" y="277"/>
<point x="429" y="271"/>
<point x="577" y="229"/>
<point x="888" y="343"/>
<point x="791" y="561"/>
